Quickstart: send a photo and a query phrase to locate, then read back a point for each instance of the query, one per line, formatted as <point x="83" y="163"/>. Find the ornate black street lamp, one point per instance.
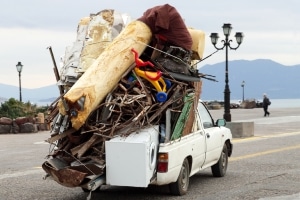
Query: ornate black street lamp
<point x="243" y="86"/>
<point x="226" y="43"/>
<point x="19" y="69"/>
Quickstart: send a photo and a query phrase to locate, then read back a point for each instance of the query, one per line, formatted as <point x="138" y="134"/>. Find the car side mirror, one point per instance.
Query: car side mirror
<point x="221" y="122"/>
<point x="207" y="125"/>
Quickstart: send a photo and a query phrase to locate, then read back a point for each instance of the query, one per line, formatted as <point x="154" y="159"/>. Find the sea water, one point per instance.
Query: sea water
<point x="284" y="103"/>
<point x="275" y="103"/>
<point x="279" y="103"/>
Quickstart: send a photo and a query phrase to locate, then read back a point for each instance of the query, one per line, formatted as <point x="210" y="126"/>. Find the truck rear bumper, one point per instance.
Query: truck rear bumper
<point x="168" y="177"/>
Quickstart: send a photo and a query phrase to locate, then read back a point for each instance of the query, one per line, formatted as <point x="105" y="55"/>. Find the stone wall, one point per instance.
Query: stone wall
<point x="241" y="129"/>
<point x="23" y="124"/>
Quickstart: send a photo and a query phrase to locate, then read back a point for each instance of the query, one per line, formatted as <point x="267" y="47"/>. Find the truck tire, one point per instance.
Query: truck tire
<point x="219" y="169"/>
<point x="180" y="187"/>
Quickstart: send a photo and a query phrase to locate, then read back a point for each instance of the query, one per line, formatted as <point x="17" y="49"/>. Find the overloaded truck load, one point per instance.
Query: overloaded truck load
<point x="120" y="78"/>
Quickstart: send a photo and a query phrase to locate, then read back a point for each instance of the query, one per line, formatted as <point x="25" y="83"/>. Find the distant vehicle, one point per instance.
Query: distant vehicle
<point x="259" y="104"/>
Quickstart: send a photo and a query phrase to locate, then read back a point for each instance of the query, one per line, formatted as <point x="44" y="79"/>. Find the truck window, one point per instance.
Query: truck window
<point x="206" y="119"/>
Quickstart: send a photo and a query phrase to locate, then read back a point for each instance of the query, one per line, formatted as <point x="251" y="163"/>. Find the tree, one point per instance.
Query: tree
<point x="14" y="108"/>
<point x="11" y="109"/>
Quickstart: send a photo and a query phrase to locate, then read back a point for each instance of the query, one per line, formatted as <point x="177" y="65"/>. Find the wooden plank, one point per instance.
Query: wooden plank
<point x="94" y="139"/>
<point x="190" y="120"/>
<point x="60" y="136"/>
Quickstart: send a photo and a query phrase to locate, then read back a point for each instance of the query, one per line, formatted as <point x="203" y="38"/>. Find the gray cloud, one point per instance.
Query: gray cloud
<point x="271" y="29"/>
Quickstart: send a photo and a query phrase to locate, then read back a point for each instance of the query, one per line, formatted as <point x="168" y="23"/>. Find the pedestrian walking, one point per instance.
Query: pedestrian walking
<point x="265" y="104"/>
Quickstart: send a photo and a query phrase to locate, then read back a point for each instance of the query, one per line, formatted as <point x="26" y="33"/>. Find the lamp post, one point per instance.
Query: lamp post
<point x="19" y="69"/>
<point x="226" y="44"/>
<point x="243" y="86"/>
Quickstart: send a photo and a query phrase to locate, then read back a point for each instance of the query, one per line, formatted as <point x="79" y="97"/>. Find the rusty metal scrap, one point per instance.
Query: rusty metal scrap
<point x="78" y="153"/>
<point x="129" y="107"/>
<point x="70" y="176"/>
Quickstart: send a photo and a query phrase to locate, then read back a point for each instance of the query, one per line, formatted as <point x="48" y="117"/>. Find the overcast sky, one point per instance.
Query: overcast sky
<point x="27" y="28"/>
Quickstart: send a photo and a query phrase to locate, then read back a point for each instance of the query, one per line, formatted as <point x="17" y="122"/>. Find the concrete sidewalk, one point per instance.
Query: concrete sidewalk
<point x="281" y="120"/>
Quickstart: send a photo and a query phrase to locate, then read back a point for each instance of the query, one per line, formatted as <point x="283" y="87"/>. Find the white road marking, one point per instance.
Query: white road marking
<point x="21" y="173"/>
<point x="41" y="142"/>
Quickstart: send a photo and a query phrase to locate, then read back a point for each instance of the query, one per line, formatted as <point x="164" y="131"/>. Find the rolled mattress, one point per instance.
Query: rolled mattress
<point x="103" y="75"/>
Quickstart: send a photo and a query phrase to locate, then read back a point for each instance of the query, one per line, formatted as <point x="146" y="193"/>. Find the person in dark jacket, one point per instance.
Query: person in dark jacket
<point x="265" y="105"/>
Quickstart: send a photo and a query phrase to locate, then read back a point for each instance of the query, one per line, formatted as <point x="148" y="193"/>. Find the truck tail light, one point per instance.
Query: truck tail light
<point x="163" y="161"/>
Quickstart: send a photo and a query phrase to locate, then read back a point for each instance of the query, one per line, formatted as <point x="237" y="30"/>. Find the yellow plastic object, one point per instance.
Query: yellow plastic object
<point x="147" y="75"/>
<point x="153" y="77"/>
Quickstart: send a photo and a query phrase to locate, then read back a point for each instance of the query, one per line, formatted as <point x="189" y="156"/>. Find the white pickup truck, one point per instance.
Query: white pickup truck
<point x="152" y="156"/>
<point x="141" y="159"/>
<point x="129" y="115"/>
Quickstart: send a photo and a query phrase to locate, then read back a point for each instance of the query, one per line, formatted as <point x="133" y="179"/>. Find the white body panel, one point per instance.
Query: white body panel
<point x="192" y="145"/>
<point x="131" y="161"/>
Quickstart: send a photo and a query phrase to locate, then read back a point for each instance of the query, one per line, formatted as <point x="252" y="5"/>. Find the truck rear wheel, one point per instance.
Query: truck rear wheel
<point x="180" y="187"/>
<point x="219" y="169"/>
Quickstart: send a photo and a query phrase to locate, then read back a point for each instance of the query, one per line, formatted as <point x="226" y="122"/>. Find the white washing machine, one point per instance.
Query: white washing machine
<point x="131" y="160"/>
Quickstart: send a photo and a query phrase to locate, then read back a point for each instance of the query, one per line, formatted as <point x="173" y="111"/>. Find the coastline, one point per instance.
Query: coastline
<point x="275" y="103"/>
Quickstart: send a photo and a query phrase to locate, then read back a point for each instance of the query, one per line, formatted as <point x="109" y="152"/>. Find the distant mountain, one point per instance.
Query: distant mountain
<point x="260" y="76"/>
<point x="40" y="96"/>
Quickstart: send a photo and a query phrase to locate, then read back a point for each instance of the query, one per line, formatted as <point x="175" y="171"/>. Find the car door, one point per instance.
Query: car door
<point x="199" y="146"/>
<point x="213" y="135"/>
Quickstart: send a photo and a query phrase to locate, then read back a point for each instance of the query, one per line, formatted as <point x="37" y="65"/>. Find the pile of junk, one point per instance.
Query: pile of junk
<point x="113" y="82"/>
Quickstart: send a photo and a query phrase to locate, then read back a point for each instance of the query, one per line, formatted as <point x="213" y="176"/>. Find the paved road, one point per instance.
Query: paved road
<point x="265" y="167"/>
<point x="282" y="123"/>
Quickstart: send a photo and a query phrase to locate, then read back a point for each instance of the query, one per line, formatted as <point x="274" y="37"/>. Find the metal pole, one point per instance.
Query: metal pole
<point x="227" y="115"/>
<point x="56" y="73"/>
<point x="214" y="39"/>
<point x="243" y="92"/>
<point x="20" y="87"/>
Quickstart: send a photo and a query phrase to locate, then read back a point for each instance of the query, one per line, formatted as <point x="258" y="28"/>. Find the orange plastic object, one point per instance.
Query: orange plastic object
<point x="153" y="77"/>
